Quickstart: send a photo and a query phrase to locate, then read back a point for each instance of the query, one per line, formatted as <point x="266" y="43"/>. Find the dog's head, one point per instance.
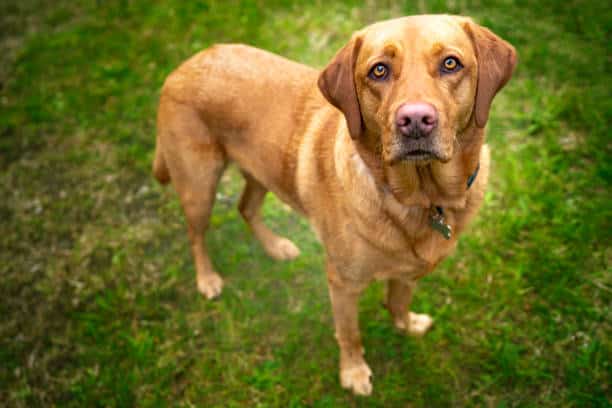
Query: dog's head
<point x="417" y="83"/>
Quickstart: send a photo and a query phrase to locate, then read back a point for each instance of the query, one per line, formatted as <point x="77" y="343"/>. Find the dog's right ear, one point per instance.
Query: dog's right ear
<point x="337" y="84"/>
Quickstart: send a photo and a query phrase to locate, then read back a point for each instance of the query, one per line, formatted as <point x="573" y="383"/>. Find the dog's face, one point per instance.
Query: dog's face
<point x="416" y="90"/>
<point x="416" y="83"/>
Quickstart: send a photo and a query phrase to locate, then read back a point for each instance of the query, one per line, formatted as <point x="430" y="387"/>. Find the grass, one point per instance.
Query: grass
<point x="98" y="298"/>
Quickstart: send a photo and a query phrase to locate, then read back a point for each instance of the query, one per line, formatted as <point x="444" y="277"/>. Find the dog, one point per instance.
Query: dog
<point x="383" y="151"/>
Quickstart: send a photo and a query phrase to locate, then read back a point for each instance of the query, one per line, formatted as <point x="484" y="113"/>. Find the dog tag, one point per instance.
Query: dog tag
<point x="436" y="221"/>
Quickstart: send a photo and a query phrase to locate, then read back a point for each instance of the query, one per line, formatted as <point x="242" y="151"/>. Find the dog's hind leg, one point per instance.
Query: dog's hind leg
<point x="195" y="162"/>
<point x="250" y="205"/>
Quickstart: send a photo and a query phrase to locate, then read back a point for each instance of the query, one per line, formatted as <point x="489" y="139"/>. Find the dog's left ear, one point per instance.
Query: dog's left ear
<point x="337" y="84"/>
<point x="496" y="61"/>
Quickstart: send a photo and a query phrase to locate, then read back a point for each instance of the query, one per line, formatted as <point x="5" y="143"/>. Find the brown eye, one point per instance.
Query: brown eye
<point x="379" y="72"/>
<point x="450" y="64"/>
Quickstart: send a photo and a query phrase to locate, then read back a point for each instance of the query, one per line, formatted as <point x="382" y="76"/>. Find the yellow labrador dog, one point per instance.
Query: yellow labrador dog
<point x="383" y="151"/>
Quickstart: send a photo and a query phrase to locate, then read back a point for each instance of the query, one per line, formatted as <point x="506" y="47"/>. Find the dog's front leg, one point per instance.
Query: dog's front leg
<point x="354" y="371"/>
<point x="399" y="297"/>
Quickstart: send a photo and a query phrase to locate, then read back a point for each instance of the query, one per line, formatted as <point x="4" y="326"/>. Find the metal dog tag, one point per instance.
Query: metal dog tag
<point x="436" y="221"/>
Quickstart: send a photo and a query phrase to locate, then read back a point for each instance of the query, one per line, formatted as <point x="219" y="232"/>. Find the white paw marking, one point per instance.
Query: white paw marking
<point x="210" y="285"/>
<point x="357" y="379"/>
<point x="283" y="249"/>
<point x="419" y="324"/>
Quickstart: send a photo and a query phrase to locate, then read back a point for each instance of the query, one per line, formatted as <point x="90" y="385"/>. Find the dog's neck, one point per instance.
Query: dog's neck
<point x="431" y="184"/>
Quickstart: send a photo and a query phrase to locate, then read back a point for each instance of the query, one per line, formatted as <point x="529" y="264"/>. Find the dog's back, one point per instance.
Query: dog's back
<point x="235" y="86"/>
<point x="252" y="105"/>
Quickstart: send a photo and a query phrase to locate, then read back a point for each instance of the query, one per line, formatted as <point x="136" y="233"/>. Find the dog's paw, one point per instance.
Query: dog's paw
<point x="418" y="324"/>
<point x="357" y="379"/>
<point x="414" y="324"/>
<point x="210" y="285"/>
<point x="282" y="249"/>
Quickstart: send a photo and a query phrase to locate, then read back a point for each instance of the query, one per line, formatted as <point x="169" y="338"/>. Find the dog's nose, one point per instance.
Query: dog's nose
<point x="416" y="119"/>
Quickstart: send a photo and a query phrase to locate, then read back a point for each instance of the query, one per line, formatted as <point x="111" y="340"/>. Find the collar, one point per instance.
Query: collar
<point x="436" y="218"/>
<point x="473" y="176"/>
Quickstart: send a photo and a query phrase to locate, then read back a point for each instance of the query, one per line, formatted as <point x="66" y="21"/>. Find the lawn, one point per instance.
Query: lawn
<point x="97" y="296"/>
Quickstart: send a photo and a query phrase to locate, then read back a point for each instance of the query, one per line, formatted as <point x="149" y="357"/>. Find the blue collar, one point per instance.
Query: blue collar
<point x="472" y="178"/>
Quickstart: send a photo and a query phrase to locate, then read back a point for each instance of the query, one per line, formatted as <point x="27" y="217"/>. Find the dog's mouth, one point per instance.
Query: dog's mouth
<point x="418" y="156"/>
<point x="419" y="151"/>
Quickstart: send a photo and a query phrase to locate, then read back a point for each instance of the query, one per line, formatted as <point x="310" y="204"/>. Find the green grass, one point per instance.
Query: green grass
<point x="98" y="298"/>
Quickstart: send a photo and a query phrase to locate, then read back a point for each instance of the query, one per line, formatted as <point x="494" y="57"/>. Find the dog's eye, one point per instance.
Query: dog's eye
<point x="450" y="64"/>
<point x="379" y="72"/>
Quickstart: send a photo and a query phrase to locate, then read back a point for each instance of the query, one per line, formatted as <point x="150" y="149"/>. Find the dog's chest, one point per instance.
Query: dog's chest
<point x="408" y="248"/>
